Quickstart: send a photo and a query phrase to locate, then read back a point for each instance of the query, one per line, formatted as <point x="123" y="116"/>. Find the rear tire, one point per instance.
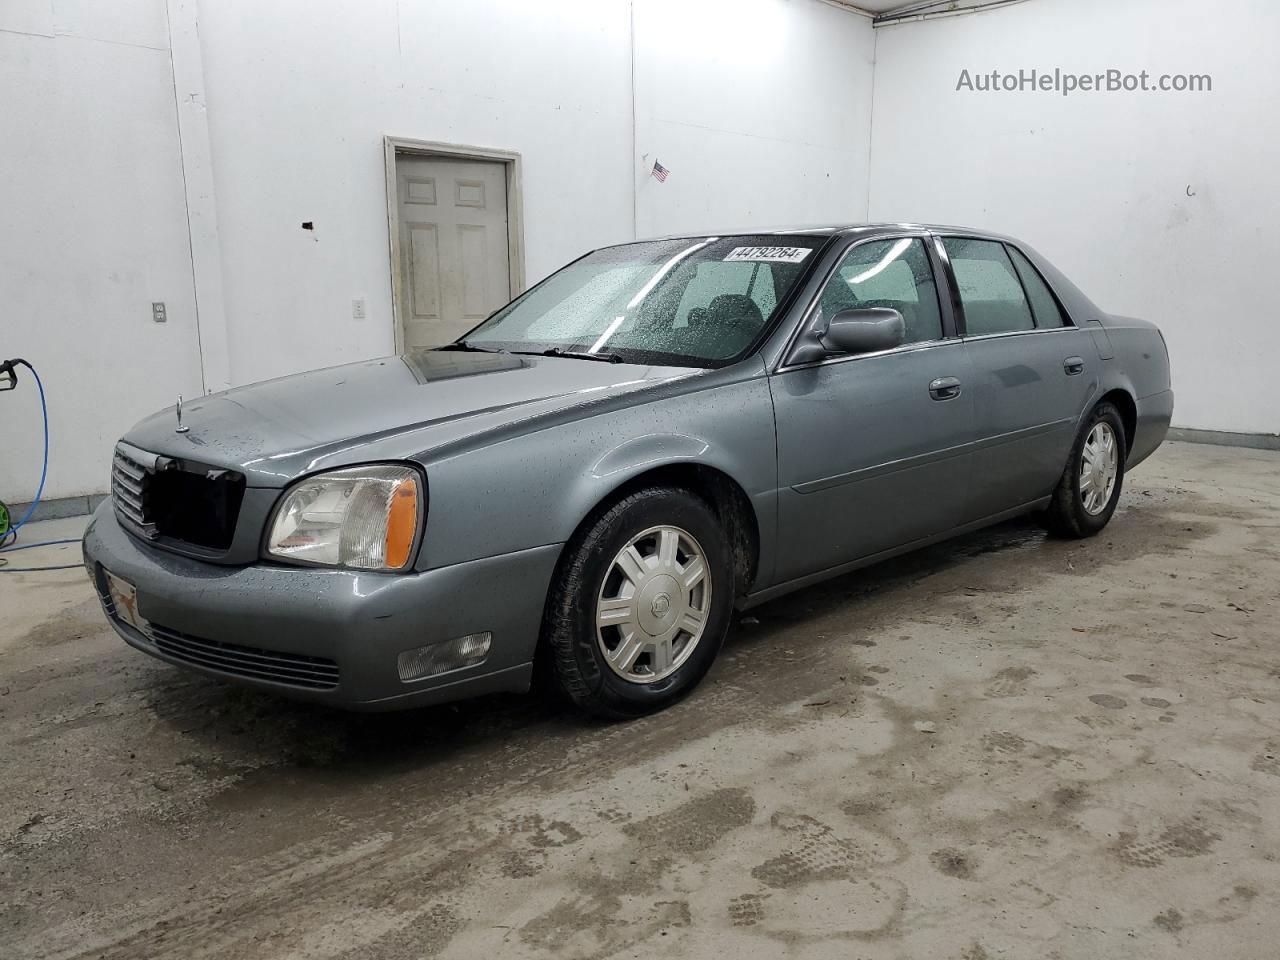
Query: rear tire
<point x="640" y="604"/>
<point x="1086" y="496"/>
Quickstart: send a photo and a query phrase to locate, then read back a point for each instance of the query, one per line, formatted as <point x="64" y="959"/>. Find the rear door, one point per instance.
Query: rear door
<point x="871" y="448"/>
<point x="1033" y="373"/>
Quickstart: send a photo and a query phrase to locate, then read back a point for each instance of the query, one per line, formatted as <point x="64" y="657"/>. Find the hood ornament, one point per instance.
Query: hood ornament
<point x="178" y="411"/>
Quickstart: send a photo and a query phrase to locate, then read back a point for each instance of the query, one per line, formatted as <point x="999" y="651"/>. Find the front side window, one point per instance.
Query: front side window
<point x="888" y="273"/>
<point x="689" y="302"/>
<point x="990" y="292"/>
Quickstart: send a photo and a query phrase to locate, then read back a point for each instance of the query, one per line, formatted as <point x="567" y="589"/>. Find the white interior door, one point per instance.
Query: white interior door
<point x="454" y="261"/>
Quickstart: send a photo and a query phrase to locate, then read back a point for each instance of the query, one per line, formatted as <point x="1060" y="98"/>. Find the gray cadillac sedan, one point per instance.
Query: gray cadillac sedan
<point x="592" y="479"/>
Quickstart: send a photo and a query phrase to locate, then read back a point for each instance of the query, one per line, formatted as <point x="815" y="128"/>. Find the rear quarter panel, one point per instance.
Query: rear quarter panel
<point x="1140" y="366"/>
<point x="1141" y="359"/>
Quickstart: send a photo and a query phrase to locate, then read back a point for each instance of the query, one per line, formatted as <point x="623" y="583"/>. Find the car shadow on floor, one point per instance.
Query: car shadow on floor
<point x="245" y="728"/>
<point x="903" y="571"/>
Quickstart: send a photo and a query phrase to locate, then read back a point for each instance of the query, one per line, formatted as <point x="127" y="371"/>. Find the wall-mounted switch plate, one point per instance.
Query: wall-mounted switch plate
<point x="157" y="312"/>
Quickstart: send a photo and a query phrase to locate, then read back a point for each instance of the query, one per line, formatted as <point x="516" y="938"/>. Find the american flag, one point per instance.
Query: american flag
<point x="659" y="172"/>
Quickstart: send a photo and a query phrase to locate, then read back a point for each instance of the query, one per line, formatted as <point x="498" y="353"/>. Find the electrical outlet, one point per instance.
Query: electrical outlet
<point x="157" y="312"/>
<point x="357" y="309"/>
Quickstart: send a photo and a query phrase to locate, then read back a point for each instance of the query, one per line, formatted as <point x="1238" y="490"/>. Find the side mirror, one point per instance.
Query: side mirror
<point x="864" y="331"/>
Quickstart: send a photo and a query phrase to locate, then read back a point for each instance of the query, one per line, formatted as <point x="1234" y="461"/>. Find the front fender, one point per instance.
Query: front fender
<point x="535" y="489"/>
<point x="645" y="453"/>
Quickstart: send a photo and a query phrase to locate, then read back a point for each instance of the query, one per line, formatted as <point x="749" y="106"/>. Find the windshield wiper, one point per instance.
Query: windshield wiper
<point x="557" y="352"/>
<point x="469" y="347"/>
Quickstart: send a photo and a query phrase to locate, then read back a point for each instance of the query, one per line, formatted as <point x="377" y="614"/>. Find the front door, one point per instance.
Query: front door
<point x="454" y="259"/>
<point x="872" y="449"/>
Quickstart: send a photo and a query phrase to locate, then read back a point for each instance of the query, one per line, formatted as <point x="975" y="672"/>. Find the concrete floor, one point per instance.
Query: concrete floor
<point x="1002" y="747"/>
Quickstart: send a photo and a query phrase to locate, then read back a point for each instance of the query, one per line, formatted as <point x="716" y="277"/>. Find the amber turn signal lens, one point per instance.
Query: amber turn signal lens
<point x="402" y="523"/>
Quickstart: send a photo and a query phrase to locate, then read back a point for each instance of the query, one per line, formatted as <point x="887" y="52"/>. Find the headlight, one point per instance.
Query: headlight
<point x="364" y="517"/>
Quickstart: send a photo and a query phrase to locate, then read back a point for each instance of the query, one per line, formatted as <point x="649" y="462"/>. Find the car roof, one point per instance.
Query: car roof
<point x="827" y="230"/>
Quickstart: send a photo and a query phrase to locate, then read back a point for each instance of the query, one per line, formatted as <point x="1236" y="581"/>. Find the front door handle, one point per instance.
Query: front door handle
<point x="944" y="388"/>
<point x="1073" y="365"/>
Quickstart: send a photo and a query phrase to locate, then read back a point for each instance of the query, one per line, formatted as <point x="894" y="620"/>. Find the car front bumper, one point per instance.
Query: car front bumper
<point x="264" y="624"/>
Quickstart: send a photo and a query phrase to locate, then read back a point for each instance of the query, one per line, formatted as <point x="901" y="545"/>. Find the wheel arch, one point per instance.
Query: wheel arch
<point x="1123" y="401"/>
<point x="724" y="494"/>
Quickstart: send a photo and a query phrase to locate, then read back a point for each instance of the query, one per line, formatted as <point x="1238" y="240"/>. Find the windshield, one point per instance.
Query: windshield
<point x="689" y="302"/>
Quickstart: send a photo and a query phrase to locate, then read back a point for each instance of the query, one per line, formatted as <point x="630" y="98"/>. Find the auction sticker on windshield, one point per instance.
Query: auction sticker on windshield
<point x="769" y="254"/>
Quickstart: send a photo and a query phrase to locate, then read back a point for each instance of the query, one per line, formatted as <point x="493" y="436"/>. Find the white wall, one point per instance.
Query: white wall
<point x="92" y="230"/>
<point x="760" y="108"/>
<point x="300" y="96"/>
<point x="1099" y="182"/>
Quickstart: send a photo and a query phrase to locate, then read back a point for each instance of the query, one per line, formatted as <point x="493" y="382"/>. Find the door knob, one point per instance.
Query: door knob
<point x="944" y="388"/>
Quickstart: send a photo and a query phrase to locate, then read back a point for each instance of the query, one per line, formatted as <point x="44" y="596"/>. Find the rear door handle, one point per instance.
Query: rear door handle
<point x="1073" y="365"/>
<point x="944" y="388"/>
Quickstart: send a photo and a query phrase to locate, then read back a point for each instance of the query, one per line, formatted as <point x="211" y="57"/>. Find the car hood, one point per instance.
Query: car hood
<point x="388" y="408"/>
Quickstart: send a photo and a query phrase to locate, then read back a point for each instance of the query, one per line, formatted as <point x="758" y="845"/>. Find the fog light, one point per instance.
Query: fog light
<point x="437" y="658"/>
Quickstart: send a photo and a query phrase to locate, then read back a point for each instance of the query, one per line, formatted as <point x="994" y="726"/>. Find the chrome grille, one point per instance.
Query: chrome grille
<point x="129" y="481"/>
<point x="176" y="500"/>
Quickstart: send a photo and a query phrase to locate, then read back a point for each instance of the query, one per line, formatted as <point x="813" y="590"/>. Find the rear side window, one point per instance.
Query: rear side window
<point x="888" y="273"/>
<point x="1047" y="312"/>
<point x="990" y="291"/>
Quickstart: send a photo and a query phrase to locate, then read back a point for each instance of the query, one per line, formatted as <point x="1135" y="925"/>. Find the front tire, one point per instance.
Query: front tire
<point x="640" y="604"/>
<point x="1089" y="490"/>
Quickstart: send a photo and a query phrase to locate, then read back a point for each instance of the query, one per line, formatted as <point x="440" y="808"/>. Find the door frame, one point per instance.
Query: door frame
<point x="393" y="147"/>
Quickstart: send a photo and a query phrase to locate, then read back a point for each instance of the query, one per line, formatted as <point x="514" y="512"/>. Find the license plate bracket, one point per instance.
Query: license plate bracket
<point x="124" y="600"/>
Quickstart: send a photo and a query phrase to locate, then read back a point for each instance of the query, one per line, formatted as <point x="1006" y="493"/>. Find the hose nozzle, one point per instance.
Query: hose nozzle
<point x="9" y="373"/>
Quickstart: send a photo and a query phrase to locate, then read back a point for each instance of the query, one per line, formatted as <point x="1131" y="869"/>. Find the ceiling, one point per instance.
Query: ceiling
<point x="879" y="6"/>
<point x="883" y="8"/>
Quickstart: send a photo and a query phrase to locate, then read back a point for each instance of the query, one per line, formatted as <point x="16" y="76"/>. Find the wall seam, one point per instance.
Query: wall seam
<point x="871" y="117"/>
<point x="635" y="188"/>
